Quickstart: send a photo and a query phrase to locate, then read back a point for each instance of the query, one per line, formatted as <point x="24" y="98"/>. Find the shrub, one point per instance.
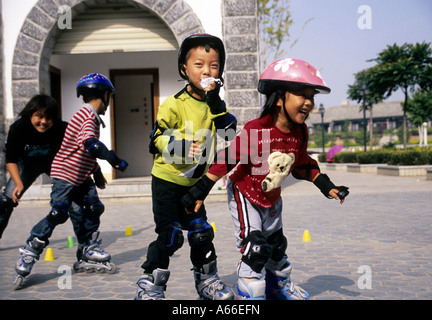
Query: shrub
<point x="346" y="157"/>
<point x="414" y="156"/>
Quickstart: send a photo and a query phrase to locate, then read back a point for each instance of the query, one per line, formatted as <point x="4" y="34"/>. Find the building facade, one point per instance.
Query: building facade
<point x="47" y="45"/>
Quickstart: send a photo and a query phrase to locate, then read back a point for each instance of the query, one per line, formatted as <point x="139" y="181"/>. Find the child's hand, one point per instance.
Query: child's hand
<point x="194" y="150"/>
<point x="336" y="194"/>
<point x="17" y="192"/>
<point x="99" y="179"/>
<point x="198" y="205"/>
<point x="209" y="84"/>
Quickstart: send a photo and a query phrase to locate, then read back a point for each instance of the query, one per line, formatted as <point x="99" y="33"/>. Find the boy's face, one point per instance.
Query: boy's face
<point x="299" y="104"/>
<point x="100" y="106"/>
<point x="201" y="64"/>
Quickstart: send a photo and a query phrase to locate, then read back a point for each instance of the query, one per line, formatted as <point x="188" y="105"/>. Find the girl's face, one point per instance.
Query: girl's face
<point x="298" y="105"/>
<point x="201" y="64"/>
<point x="40" y="121"/>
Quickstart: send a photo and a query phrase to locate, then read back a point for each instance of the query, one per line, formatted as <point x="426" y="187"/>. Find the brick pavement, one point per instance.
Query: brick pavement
<point x="382" y="230"/>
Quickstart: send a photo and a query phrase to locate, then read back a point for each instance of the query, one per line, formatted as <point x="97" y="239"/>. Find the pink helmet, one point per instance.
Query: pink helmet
<point x="291" y="73"/>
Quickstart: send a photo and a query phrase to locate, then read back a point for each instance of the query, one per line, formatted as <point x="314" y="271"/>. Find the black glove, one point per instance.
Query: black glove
<point x="99" y="178"/>
<point x="325" y="185"/>
<point x="199" y="191"/>
<point x="216" y="104"/>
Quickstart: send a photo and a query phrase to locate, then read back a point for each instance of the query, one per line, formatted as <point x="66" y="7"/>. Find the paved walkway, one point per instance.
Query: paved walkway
<point x="377" y="245"/>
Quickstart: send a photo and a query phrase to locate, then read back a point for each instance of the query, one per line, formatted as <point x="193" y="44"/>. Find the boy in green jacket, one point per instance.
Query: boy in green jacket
<point x="183" y="143"/>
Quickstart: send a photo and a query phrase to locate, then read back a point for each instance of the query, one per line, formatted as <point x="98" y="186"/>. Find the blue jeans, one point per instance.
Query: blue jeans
<point x="80" y="203"/>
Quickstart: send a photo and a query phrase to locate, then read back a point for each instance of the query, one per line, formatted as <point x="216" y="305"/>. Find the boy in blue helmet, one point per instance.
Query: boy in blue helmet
<point x="73" y="190"/>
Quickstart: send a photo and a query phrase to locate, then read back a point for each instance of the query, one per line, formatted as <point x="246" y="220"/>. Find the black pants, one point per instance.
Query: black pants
<point x="168" y="212"/>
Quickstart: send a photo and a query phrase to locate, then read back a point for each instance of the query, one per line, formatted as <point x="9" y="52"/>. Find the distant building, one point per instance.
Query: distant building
<point x="386" y="115"/>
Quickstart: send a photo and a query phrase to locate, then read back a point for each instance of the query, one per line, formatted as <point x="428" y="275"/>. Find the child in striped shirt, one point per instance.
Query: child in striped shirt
<point x="74" y="191"/>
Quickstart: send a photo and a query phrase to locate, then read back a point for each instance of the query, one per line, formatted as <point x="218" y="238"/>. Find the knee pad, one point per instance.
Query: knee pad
<point x="94" y="206"/>
<point x="172" y="239"/>
<point x="279" y="244"/>
<point x="200" y="233"/>
<point x="58" y="214"/>
<point x="256" y="251"/>
<point x="200" y="239"/>
<point x="6" y="204"/>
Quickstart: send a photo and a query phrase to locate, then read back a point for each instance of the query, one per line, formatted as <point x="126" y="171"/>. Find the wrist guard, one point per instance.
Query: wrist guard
<point x="199" y="191"/>
<point x="116" y="162"/>
<point x="225" y="122"/>
<point x="325" y="185"/>
<point x="216" y="104"/>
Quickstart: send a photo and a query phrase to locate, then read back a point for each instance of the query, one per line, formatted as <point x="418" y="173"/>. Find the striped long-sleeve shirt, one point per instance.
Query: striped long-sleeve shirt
<point x="73" y="163"/>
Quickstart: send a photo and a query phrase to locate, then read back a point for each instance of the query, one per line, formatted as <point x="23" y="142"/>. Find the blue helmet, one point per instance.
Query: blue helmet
<point x="94" y="81"/>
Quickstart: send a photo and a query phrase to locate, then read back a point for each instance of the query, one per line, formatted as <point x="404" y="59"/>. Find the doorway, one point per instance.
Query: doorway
<point x="133" y="112"/>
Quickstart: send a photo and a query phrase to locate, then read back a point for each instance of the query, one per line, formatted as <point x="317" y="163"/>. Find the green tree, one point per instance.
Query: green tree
<point x="404" y="67"/>
<point x="419" y="108"/>
<point x="274" y="22"/>
<point x="365" y="91"/>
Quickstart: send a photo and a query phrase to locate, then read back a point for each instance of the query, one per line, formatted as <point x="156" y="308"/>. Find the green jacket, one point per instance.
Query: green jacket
<point x="182" y="117"/>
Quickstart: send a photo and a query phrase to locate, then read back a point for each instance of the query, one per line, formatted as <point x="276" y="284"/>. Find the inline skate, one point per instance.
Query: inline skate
<point x="29" y="254"/>
<point x="91" y="257"/>
<point x="152" y="286"/>
<point x="279" y="285"/>
<point x="208" y="284"/>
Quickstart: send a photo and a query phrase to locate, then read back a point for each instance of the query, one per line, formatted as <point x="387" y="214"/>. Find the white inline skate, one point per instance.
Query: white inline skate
<point x="29" y="254"/>
<point x="91" y="257"/>
<point x="208" y="284"/>
<point x="152" y="286"/>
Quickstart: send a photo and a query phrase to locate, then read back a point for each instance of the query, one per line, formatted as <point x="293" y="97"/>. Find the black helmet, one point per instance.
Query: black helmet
<point x="200" y="39"/>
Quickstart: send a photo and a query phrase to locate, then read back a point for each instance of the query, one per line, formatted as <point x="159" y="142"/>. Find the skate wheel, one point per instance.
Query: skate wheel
<point x="17" y="283"/>
<point x="77" y="268"/>
<point x="112" y="269"/>
<point x="100" y="270"/>
<point x="88" y="270"/>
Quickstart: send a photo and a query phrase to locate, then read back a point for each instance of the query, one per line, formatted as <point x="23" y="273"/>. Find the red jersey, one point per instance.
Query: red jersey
<point x="250" y="150"/>
<point x="73" y="163"/>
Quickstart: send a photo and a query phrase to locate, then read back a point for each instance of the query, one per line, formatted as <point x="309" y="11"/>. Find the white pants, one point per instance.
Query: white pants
<point x="248" y="217"/>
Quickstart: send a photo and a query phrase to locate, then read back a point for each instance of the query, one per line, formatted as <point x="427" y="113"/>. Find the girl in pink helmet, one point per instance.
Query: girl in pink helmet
<point x="276" y="145"/>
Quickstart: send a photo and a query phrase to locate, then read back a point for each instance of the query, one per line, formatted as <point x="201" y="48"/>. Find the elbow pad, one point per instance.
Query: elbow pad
<point x="227" y="121"/>
<point x="98" y="150"/>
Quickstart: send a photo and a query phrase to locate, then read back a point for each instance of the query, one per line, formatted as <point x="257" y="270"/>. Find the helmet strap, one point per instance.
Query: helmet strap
<point x="283" y="106"/>
<point x="194" y="87"/>
<point x="107" y="100"/>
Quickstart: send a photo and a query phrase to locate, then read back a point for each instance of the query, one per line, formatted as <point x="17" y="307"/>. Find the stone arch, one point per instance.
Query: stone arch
<point x="36" y="40"/>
